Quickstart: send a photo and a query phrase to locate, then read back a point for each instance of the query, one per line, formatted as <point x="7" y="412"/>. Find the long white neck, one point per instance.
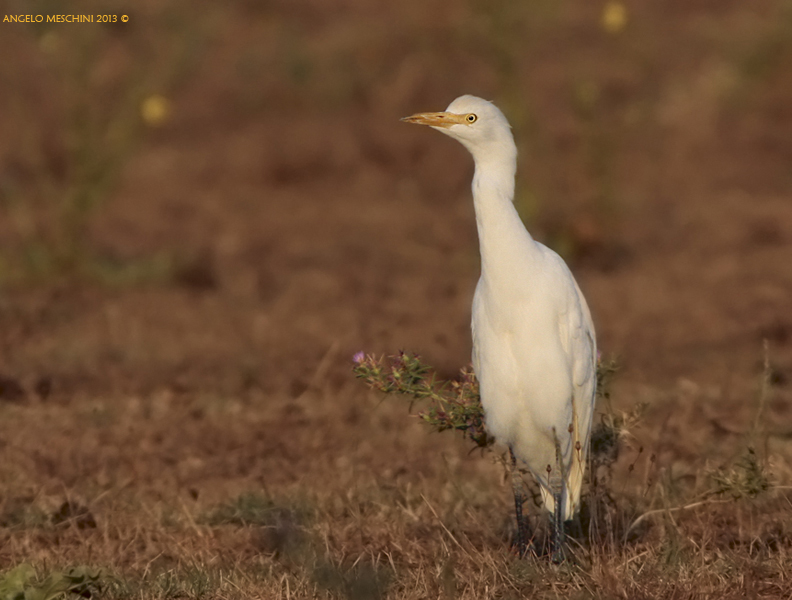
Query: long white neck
<point x="503" y="239"/>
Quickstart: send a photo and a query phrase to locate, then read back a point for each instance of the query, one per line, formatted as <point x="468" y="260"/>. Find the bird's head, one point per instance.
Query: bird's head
<point x="476" y="123"/>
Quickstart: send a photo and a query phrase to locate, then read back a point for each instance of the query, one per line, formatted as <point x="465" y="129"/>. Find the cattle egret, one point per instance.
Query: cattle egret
<point x="534" y="349"/>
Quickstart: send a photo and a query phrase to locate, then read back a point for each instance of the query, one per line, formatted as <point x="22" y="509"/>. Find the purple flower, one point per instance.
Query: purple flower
<point x="359" y="357"/>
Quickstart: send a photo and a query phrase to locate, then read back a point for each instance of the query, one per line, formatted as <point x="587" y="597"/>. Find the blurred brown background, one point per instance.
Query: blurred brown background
<point x="222" y="195"/>
<point x="218" y="199"/>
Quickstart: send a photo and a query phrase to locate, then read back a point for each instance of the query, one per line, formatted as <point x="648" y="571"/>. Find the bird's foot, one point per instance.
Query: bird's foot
<point x="521" y="545"/>
<point x="558" y="555"/>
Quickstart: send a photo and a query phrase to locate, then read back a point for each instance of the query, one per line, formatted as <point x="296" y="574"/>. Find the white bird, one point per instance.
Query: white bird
<point x="534" y="347"/>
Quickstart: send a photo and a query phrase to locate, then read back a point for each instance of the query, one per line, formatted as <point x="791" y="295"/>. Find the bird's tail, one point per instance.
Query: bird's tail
<point x="570" y="500"/>
<point x="571" y="467"/>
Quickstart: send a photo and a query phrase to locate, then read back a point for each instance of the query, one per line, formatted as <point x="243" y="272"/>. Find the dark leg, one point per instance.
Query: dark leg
<point x="522" y="537"/>
<point x="558" y="555"/>
<point x="557" y="481"/>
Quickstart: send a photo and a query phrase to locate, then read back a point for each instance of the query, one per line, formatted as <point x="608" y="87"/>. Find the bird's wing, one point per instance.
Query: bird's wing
<point x="583" y="342"/>
<point x="578" y="340"/>
<point x="575" y="327"/>
<point x="583" y="354"/>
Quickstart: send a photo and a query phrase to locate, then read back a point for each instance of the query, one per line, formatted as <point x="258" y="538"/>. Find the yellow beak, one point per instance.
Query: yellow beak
<point x="436" y="119"/>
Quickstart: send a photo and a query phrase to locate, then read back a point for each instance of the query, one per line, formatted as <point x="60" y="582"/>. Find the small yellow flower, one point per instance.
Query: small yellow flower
<point x="155" y="110"/>
<point x="49" y="42"/>
<point x="614" y="17"/>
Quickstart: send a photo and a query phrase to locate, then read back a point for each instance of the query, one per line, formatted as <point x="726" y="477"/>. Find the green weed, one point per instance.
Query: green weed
<point x="22" y="583"/>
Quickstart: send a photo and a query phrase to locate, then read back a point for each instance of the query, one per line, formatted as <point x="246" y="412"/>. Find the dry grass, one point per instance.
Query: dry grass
<point x="172" y="497"/>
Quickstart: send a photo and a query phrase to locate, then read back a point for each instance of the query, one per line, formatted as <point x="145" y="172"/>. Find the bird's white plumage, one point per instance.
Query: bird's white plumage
<point x="534" y="348"/>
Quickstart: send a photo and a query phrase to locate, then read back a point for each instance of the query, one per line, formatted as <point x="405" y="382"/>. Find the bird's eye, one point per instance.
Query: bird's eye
<point x="471" y="118"/>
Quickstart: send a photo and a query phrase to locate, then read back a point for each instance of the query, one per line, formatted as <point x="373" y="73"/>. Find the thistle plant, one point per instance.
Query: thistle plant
<point x="456" y="404"/>
<point x="453" y="404"/>
<point x="746" y="478"/>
